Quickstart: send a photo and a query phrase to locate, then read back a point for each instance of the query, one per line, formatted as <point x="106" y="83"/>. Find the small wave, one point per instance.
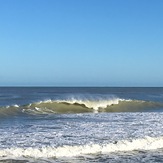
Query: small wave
<point x="147" y="143"/>
<point x="10" y="111"/>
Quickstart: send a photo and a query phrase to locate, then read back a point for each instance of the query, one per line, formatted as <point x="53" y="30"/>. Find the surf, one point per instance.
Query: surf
<point x="147" y="143"/>
<point x="81" y="105"/>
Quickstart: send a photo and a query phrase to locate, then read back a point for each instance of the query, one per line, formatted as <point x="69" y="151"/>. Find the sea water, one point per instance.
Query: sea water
<point x="81" y="124"/>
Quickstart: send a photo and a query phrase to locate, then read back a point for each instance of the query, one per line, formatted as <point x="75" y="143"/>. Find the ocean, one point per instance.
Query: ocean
<point x="81" y="124"/>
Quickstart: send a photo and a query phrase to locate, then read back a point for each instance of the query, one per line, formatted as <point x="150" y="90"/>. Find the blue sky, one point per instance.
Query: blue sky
<point x="81" y="43"/>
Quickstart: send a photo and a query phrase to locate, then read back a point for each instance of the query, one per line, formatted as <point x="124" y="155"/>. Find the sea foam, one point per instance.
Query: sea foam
<point x="148" y="143"/>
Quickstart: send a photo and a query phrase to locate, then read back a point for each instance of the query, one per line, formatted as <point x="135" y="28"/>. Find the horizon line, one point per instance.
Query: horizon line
<point x="81" y="86"/>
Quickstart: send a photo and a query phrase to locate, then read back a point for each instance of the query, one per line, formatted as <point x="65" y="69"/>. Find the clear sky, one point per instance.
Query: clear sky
<point x="81" y="42"/>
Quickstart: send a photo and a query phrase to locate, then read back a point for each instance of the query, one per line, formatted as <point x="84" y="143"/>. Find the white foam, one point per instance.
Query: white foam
<point x="36" y="108"/>
<point x="46" y="101"/>
<point x="16" y="105"/>
<point x="147" y="143"/>
<point x="95" y="104"/>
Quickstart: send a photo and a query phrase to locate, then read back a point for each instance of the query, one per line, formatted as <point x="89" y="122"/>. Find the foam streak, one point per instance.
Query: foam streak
<point x="147" y="143"/>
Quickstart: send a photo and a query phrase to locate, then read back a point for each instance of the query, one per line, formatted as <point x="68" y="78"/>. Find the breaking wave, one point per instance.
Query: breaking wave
<point x="76" y="105"/>
<point x="147" y="143"/>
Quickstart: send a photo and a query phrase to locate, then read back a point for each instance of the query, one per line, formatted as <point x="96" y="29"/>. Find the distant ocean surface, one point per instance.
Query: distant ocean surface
<point x="81" y="125"/>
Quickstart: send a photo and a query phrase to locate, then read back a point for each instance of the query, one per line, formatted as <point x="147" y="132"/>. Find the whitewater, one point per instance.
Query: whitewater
<point x="81" y="124"/>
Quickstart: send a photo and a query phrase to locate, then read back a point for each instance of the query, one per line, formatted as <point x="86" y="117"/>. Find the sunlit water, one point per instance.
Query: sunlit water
<point x="58" y="125"/>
